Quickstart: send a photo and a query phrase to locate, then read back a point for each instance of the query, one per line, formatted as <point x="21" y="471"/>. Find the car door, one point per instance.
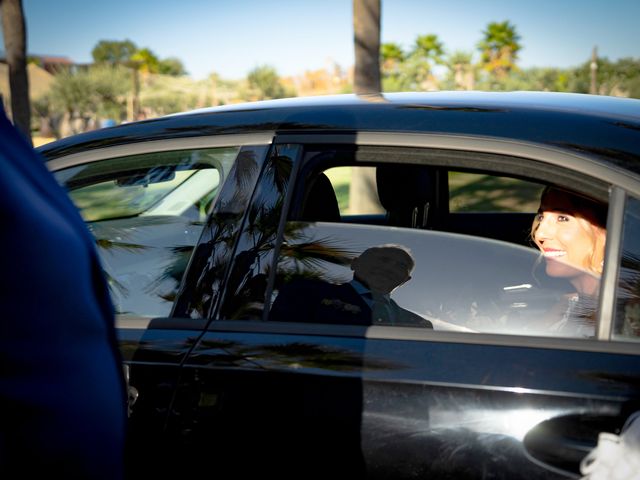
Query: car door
<point x="485" y="392"/>
<point x="148" y="204"/>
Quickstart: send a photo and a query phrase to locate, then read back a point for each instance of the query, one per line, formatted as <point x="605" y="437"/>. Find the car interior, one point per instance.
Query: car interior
<point x="412" y="195"/>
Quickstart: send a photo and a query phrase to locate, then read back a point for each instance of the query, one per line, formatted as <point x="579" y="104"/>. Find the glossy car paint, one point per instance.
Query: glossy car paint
<point x="253" y="397"/>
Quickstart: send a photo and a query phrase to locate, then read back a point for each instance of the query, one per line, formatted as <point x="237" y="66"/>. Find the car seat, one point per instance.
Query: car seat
<point x="408" y="193"/>
<point x="320" y="203"/>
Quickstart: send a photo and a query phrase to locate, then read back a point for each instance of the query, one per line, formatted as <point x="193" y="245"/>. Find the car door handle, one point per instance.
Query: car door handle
<point x="132" y="392"/>
<point x="562" y="442"/>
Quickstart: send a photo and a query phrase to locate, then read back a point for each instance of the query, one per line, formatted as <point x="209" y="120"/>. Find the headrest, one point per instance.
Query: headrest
<point x="321" y="204"/>
<point x="402" y="187"/>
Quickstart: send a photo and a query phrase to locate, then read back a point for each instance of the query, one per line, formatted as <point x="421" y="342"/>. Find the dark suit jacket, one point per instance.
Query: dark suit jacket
<point x="62" y="398"/>
<point x="315" y="301"/>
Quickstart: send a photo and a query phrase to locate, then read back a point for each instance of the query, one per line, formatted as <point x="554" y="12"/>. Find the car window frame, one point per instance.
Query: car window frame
<point x="619" y="183"/>
<point x="131" y="322"/>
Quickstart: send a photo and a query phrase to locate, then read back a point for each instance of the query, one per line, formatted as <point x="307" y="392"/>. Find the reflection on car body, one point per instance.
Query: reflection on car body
<point x="234" y="215"/>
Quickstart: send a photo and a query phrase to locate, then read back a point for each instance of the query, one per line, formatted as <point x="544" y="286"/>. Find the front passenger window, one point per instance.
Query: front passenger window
<point x="147" y="212"/>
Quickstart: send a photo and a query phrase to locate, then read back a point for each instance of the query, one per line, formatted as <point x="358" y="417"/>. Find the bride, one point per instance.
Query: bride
<point x="569" y="229"/>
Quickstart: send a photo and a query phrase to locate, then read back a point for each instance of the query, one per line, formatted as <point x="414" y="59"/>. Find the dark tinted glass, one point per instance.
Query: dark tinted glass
<point x="627" y="318"/>
<point x="478" y="192"/>
<point x="416" y="263"/>
<point x="146" y="213"/>
<point x="246" y="285"/>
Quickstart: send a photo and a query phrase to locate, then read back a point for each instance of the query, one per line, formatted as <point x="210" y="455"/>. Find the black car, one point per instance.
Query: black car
<point x="225" y="234"/>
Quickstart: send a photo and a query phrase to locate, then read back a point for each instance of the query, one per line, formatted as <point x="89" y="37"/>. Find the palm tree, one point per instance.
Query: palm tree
<point x="146" y="61"/>
<point x="366" y="36"/>
<point x="427" y="52"/>
<point x="429" y="47"/>
<point x="499" y="48"/>
<point x="15" y="42"/>
<point x="462" y="70"/>
<point x="392" y="57"/>
<point x="366" y="30"/>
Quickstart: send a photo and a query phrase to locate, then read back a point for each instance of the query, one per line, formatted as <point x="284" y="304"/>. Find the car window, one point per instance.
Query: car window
<point x="627" y="318"/>
<point x="358" y="180"/>
<point x="424" y="266"/>
<point x="147" y="212"/>
<point x="483" y="192"/>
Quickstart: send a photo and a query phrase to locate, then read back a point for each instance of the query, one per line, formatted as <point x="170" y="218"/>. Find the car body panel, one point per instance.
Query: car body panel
<point x="216" y="381"/>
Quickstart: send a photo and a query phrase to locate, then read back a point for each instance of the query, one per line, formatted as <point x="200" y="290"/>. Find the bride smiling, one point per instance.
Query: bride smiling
<point x="569" y="229"/>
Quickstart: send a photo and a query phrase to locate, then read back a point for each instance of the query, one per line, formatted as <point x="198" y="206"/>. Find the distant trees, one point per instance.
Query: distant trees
<point x="112" y="51"/>
<point x="497" y="68"/>
<point x="412" y="70"/>
<point x="612" y="78"/>
<point x="462" y="72"/>
<point x="415" y="69"/>
<point x="171" y="66"/>
<point x="78" y="100"/>
<point x="110" y="88"/>
<point x="126" y="80"/>
<point x="126" y="52"/>
<point x="499" y="48"/>
<point x="15" y="43"/>
<point x="264" y="83"/>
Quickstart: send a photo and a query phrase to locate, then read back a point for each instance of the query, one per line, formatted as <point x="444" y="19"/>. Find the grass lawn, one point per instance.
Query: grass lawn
<point x="340" y="178"/>
<point x="468" y="192"/>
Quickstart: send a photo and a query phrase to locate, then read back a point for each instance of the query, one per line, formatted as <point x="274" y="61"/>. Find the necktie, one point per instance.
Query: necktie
<point x="382" y="310"/>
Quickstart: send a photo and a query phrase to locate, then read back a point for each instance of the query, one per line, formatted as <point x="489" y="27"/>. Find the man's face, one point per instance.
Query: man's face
<point x="382" y="269"/>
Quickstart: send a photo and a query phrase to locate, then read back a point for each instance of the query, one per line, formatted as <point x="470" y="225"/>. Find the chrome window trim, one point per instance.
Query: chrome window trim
<point x="423" y="335"/>
<point x="613" y="251"/>
<point x="137" y="148"/>
<point x="543" y="153"/>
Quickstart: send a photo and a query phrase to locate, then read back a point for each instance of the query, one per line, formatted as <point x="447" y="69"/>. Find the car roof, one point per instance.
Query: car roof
<point x="605" y="128"/>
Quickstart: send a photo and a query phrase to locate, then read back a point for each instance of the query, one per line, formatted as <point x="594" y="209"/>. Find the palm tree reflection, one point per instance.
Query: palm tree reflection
<point x="628" y="296"/>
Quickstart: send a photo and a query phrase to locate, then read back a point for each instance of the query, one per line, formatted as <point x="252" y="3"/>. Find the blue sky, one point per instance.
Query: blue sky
<point x="231" y="37"/>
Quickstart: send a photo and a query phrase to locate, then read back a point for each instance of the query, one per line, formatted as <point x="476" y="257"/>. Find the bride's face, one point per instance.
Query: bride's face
<point x="570" y="243"/>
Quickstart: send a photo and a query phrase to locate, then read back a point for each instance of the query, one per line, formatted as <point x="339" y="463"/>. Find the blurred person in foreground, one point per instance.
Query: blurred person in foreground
<point x="62" y="392"/>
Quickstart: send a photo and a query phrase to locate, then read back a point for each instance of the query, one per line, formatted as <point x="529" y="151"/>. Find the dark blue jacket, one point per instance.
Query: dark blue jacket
<point x="62" y="395"/>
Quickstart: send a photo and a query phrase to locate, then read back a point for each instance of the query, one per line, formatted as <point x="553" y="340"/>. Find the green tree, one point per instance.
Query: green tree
<point x="113" y="51"/>
<point x="620" y="78"/>
<point x="265" y="83"/>
<point x="146" y="61"/>
<point x="499" y="48"/>
<point x="172" y="67"/>
<point x="366" y="38"/>
<point x="88" y="94"/>
<point x="462" y="71"/>
<point x="538" y="79"/>
<point x="427" y="52"/>
<point x="392" y="58"/>
<point x="15" y="43"/>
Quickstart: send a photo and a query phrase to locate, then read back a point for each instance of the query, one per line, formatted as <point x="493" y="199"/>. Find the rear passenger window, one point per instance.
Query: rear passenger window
<point x="627" y="318"/>
<point x="417" y="260"/>
<point x="355" y="190"/>
<point x="476" y="192"/>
